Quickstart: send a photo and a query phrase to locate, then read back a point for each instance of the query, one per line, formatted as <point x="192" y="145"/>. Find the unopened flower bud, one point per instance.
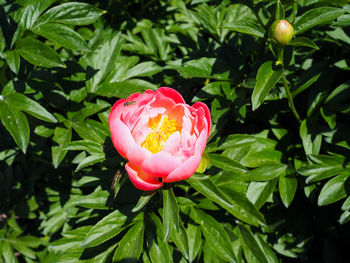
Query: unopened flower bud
<point x="281" y="31"/>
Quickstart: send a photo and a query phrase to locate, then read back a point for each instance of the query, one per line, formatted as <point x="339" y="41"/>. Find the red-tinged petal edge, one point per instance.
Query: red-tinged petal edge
<point x="141" y="180"/>
<point x="171" y="93"/>
<point x="207" y="113"/>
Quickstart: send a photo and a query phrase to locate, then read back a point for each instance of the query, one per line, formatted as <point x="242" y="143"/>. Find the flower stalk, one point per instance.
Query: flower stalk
<point x="285" y="84"/>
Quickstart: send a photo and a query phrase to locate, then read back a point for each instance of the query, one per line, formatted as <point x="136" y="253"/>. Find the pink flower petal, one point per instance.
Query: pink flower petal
<point x="142" y="180"/>
<point x="137" y="154"/>
<point x="201" y="143"/>
<point x="186" y="170"/>
<point x="115" y="111"/>
<point x="172" y="144"/>
<point x="121" y="136"/>
<point x="162" y="102"/>
<point x="177" y="113"/>
<point x="171" y="93"/>
<point x="160" y="164"/>
<point x="198" y="105"/>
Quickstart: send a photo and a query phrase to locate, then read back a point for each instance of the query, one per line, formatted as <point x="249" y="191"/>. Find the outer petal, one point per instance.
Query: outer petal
<point x="160" y="164"/>
<point x="186" y="170"/>
<point x="207" y="113"/>
<point x="115" y="114"/>
<point x="189" y="167"/>
<point x="171" y="93"/>
<point x="121" y="136"/>
<point x="137" y="154"/>
<point x="141" y="180"/>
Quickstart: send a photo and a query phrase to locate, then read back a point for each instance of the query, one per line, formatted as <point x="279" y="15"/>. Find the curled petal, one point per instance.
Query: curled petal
<point x="198" y="105"/>
<point x="141" y="180"/>
<point x="160" y="164"/>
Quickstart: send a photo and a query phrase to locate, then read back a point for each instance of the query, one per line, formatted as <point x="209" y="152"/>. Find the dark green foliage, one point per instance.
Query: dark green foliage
<point x="277" y="188"/>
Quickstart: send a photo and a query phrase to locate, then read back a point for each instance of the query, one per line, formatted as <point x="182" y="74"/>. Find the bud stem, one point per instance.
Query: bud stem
<point x="285" y="84"/>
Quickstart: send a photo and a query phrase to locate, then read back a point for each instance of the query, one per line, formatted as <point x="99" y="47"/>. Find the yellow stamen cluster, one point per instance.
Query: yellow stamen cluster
<point x="162" y="127"/>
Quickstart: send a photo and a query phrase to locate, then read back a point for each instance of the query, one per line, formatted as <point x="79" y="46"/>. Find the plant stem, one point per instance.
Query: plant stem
<point x="290" y="98"/>
<point x="285" y="84"/>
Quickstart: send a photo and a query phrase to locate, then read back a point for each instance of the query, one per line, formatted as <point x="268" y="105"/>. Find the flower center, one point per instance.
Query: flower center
<point x="162" y="127"/>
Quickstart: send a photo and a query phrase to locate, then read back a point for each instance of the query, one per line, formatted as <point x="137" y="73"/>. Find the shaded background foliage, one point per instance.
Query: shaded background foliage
<point x="276" y="188"/>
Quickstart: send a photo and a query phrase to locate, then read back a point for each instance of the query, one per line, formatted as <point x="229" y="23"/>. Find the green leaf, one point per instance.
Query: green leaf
<point x="250" y="245"/>
<point x="345" y="217"/>
<point x="38" y="54"/>
<point x="246" y="27"/>
<point x="264" y="157"/>
<point x="318" y="172"/>
<point x="180" y="239"/>
<point x="97" y="200"/>
<point x="144" y="199"/>
<point x="90" y="160"/>
<point x="194" y="241"/>
<point x="30" y="12"/>
<point x="346" y="204"/>
<point x="16" y="123"/>
<point x="269" y="253"/>
<point x="335" y="189"/>
<point x="226" y="163"/>
<point x="235" y="203"/>
<point x="171" y="219"/>
<point x="63" y="35"/>
<point x="279" y="15"/>
<point x="108" y="227"/>
<point x="124" y="89"/>
<point x="85" y="145"/>
<point x="143" y="69"/>
<point x="198" y="68"/>
<point x="158" y="249"/>
<point x="215" y="235"/>
<point x="12" y="60"/>
<point x="303" y="42"/>
<point x="72" y="13"/>
<point x="131" y="245"/>
<point x="8" y="253"/>
<point x="103" y="59"/>
<point x="62" y="136"/>
<point x="89" y="131"/>
<point x="23" y="103"/>
<point x="267" y="77"/>
<point x="22" y="247"/>
<point x="309" y="77"/>
<point x="316" y="17"/>
<point x="265" y="172"/>
<point x="259" y="192"/>
<point x="232" y="141"/>
<point x="287" y="188"/>
<point x="311" y="142"/>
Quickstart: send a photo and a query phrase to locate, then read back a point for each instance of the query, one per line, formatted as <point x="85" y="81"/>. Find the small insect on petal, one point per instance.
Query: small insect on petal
<point x="129" y="103"/>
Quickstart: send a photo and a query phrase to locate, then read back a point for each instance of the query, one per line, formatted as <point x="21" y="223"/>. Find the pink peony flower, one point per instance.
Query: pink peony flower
<point x="162" y="137"/>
